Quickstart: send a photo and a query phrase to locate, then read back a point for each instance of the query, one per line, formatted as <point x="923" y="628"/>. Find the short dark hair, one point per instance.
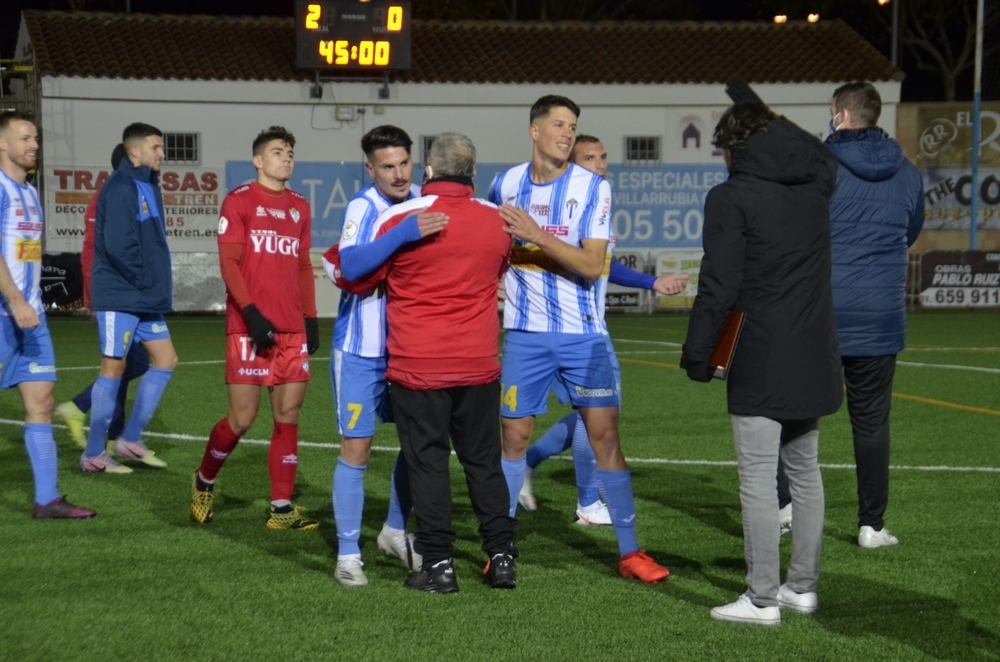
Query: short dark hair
<point x="384" y="136"/>
<point x="862" y="99"/>
<point x="139" y="131"/>
<point x="739" y="122"/>
<point x="14" y="116"/>
<point x="543" y="106"/>
<point x="269" y="134"/>
<point x="583" y="139"/>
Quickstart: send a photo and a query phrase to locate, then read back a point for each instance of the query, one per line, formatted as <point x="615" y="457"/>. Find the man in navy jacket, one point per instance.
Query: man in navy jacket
<point x="876" y="213"/>
<point x="130" y="292"/>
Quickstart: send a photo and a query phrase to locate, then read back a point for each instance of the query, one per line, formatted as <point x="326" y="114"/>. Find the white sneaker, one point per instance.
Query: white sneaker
<point x="869" y="538"/>
<point x="349" y="571"/>
<point x="593" y="515"/>
<point x="785" y="515"/>
<point x="745" y="611"/>
<point x="401" y="547"/>
<point x="804" y="603"/>
<point x="525" y="497"/>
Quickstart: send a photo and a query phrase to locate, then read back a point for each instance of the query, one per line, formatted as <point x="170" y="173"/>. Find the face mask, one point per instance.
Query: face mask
<point x="834" y="127"/>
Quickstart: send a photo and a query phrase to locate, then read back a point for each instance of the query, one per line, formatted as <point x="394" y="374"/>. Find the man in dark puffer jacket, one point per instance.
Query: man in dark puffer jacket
<point x="876" y="213"/>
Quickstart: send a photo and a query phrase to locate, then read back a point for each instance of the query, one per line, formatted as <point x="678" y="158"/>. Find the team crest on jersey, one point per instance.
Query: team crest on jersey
<point x="260" y="211"/>
<point x="350" y="229"/>
<point x="145" y="207"/>
<point x="18" y="212"/>
<point x="571" y="205"/>
<point x="294" y="213"/>
<point x="223" y="224"/>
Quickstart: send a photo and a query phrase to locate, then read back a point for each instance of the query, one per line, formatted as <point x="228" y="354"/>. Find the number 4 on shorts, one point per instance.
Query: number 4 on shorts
<point x="509" y="397"/>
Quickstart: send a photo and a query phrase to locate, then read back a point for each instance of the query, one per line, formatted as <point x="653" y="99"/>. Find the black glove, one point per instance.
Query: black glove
<point x="312" y="335"/>
<point x="698" y="371"/>
<point x="260" y="328"/>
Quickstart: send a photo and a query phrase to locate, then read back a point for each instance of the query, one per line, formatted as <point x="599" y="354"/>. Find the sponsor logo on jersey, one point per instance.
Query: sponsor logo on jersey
<point x="290" y="459"/>
<point x="276" y="213"/>
<point x="158" y="328"/>
<point x="29" y="250"/>
<point x="294" y="213"/>
<point x="275" y="244"/>
<point x="260" y="211"/>
<point x="28" y="226"/>
<point x="33" y="209"/>
<point x="350" y="229"/>
<point x="18" y="212"/>
<point x="223" y="224"/>
<point x="539" y="210"/>
<point x="593" y="392"/>
<point x="35" y="369"/>
<point x="218" y="455"/>
<point x="255" y="372"/>
<point x="557" y="230"/>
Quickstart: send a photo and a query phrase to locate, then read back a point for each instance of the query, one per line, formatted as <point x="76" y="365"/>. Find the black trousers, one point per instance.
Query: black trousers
<point x="869" y="400"/>
<point x="470" y="416"/>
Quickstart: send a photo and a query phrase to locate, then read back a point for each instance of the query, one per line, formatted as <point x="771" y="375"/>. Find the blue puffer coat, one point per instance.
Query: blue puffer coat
<point x="876" y="213"/>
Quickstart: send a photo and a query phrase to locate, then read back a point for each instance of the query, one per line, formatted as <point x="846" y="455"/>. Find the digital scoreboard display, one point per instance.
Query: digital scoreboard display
<point x="351" y="35"/>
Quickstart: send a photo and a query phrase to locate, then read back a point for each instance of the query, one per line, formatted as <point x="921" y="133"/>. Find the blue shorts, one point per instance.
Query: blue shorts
<point x="26" y="355"/>
<point x="117" y="331"/>
<point x="359" y="393"/>
<point x="532" y="361"/>
<point x="561" y="392"/>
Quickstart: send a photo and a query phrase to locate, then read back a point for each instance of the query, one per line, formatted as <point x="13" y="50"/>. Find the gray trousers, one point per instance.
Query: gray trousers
<point x="759" y="441"/>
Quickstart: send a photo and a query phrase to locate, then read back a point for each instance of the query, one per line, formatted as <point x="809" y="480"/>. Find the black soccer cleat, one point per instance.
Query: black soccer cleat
<point x="500" y="571"/>
<point x="438" y="578"/>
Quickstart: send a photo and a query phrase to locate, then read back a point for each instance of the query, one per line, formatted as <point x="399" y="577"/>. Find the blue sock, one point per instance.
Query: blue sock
<point x="585" y="464"/>
<point x="82" y="401"/>
<point x="617" y="488"/>
<point x="513" y="471"/>
<point x="400" y="501"/>
<point x="348" y="502"/>
<point x="118" y="417"/>
<point x="136" y="365"/>
<point x="555" y="440"/>
<point x="103" y="399"/>
<point x="44" y="466"/>
<point x="151" y="388"/>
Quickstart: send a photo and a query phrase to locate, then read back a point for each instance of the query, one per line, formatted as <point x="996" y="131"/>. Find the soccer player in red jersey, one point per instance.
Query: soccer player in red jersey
<point x="264" y="240"/>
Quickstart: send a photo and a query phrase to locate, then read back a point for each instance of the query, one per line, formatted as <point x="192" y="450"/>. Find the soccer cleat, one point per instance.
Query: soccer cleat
<point x="102" y="463"/>
<point x="136" y="450"/>
<point x="349" y="571"/>
<point x="401" y="547"/>
<point x="745" y="611"/>
<point x="74" y="420"/>
<point x="804" y="603"/>
<point x="869" y="538"/>
<point x="639" y="565"/>
<point x="289" y="518"/>
<point x="439" y="578"/>
<point x="595" y="514"/>
<point x="201" y="502"/>
<point x="500" y="571"/>
<point x="785" y="517"/>
<point x="61" y="509"/>
<point x="525" y="497"/>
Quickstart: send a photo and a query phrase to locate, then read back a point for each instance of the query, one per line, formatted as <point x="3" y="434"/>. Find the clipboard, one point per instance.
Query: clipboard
<point x="725" y="346"/>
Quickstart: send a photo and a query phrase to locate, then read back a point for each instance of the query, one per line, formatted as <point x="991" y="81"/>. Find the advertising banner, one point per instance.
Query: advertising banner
<point x="191" y="200"/>
<point x="960" y="279"/>
<point x="679" y="261"/>
<point x="626" y="298"/>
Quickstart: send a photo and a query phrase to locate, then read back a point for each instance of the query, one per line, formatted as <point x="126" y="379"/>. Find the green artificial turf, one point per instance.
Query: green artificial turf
<point x="144" y="582"/>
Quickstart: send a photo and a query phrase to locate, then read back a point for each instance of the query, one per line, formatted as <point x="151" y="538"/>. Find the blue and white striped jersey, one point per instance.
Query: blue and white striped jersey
<point x="21" y="239"/>
<point x="360" y="327"/>
<point x="543" y="296"/>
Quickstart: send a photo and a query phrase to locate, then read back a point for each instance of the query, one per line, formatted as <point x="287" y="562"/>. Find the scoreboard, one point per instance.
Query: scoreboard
<point x="352" y="35"/>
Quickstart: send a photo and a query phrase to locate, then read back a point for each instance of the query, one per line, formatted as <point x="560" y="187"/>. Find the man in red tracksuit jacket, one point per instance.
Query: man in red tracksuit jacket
<point x="443" y="369"/>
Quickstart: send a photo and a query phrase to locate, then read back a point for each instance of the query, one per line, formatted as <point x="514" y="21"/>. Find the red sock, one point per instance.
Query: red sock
<point x="221" y="443"/>
<point x="283" y="460"/>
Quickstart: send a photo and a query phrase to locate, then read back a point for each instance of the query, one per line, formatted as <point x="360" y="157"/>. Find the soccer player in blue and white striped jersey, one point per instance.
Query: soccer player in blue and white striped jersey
<point x="27" y="359"/>
<point x="358" y="357"/>
<point x="560" y="217"/>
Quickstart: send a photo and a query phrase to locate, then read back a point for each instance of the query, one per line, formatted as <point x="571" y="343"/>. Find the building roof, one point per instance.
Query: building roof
<point x="185" y="47"/>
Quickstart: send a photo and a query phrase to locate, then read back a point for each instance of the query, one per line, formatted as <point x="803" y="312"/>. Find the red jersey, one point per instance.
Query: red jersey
<point x="441" y="302"/>
<point x="275" y="230"/>
<point x="87" y="252"/>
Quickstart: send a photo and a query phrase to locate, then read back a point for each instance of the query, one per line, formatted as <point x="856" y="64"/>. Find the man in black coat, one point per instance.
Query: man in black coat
<point x="767" y="253"/>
